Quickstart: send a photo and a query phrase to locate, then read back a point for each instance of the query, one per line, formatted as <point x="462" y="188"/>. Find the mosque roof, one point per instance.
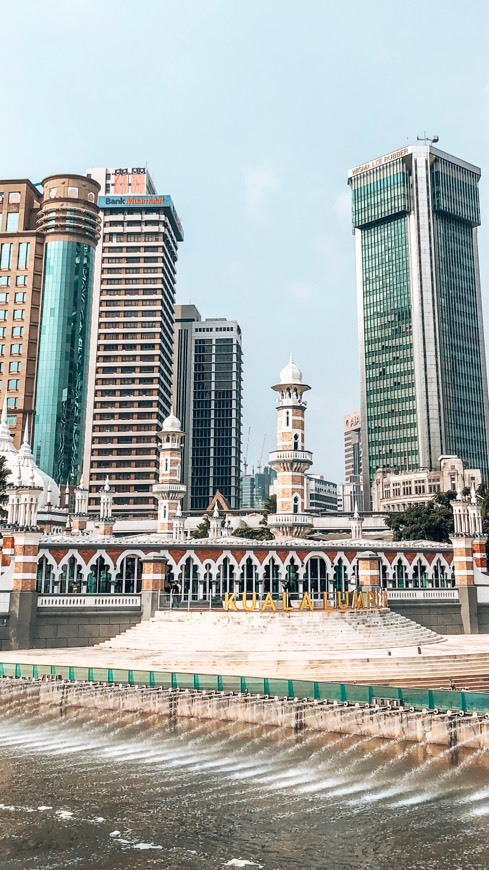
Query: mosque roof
<point x="171" y="423"/>
<point x="291" y="374"/>
<point x="23" y="469"/>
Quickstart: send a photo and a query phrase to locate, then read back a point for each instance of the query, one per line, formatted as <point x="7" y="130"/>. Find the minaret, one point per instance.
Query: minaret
<point x="169" y="491"/>
<point x="23" y="489"/>
<point x="106" y="522"/>
<point x="290" y="460"/>
<point x="178" y="524"/>
<point x="215" y="525"/>
<point x="356" y="523"/>
<point x="80" y="517"/>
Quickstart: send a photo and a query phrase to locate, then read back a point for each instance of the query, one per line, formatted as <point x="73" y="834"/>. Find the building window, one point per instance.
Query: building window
<point x="13" y="366"/>
<point x="4" y="280"/>
<point x="15" y="349"/>
<point x="3" y="314"/>
<point x="12" y="221"/>
<point x="21" y="280"/>
<point x="12" y="384"/>
<point x="19" y="297"/>
<point x="12" y="402"/>
<point x="23" y="255"/>
<point x="3" y="331"/>
<point x="14" y="196"/>
<point x="3" y="297"/>
<point x="5" y="256"/>
<point x="2" y="349"/>
<point x="19" y="314"/>
<point x="17" y="331"/>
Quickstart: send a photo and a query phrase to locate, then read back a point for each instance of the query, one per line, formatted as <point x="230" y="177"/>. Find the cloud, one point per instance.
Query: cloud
<point x="261" y="183"/>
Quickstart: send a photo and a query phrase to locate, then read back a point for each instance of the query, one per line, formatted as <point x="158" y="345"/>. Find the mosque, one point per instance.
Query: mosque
<point x="56" y="574"/>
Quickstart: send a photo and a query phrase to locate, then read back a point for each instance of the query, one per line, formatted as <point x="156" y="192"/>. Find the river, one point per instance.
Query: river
<point x="94" y="792"/>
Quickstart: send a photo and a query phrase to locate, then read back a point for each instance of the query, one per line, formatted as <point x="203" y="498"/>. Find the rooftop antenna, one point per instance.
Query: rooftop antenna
<point x="426" y="139"/>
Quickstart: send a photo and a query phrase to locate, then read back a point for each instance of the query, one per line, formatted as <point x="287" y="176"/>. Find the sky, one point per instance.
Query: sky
<point x="250" y="114"/>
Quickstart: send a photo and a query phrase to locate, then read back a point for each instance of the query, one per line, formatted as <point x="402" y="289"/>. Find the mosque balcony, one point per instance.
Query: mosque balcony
<point x="300" y="521"/>
<point x="170" y="489"/>
<point x="294" y="460"/>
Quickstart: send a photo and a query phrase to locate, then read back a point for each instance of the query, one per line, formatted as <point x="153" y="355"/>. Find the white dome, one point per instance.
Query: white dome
<point x="291" y="374"/>
<point x="22" y="466"/>
<point x="172" y="423"/>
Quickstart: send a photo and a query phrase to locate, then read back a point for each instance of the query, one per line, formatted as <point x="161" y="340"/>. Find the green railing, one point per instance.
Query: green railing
<point x="419" y="699"/>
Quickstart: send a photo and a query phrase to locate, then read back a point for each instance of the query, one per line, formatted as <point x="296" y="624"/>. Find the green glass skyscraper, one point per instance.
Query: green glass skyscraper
<point x="423" y="366"/>
<point x="69" y="220"/>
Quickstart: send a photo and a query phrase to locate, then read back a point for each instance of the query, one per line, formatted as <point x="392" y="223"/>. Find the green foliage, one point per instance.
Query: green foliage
<point x="270" y="506"/>
<point x="202" y="530"/>
<point x="430" y="521"/>
<point x="4" y="475"/>
<point x="262" y="533"/>
<point x="483" y="493"/>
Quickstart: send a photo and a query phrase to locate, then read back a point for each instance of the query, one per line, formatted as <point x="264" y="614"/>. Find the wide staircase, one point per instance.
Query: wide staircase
<point x="274" y="634"/>
<point x="377" y="647"/>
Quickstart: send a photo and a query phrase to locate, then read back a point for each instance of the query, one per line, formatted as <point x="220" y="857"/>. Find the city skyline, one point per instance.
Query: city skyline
<point x="256" y="159"/>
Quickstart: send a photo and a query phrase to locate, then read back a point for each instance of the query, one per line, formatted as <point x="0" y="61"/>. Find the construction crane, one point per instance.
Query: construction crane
<point x="245" y="457"/>
<point x="258" y="465"/>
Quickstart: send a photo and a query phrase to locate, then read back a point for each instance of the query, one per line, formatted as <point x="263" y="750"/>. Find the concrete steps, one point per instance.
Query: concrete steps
<point x="273" y="633"/>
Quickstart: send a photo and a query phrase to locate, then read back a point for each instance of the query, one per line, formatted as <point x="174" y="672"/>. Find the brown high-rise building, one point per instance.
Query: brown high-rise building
<point x="21" y="265"/>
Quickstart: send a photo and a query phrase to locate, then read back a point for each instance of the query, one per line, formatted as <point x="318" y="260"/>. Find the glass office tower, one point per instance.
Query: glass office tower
<point x="207" y="396"/>
<point x="69" y="220"/>
<point x="423" y="368"/>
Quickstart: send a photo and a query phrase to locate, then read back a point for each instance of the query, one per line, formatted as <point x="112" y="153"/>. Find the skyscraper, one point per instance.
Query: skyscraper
<point x="132" y="338"/>
<point x="423" y="368"/>
<point x="21" y="259"/>
<point x="69" y="220"/>
<point x="207" y="396"/>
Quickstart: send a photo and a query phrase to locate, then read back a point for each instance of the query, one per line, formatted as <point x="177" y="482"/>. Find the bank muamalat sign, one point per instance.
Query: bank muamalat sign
<point x="357" y="600"/>
<point x="380" y="161"/>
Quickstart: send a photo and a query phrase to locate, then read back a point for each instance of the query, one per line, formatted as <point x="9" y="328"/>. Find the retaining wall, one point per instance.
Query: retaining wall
<point x="444" y="617"/>
<point x="67" y="628"/>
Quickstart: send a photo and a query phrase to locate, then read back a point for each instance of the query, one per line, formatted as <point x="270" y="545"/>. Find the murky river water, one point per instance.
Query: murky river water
<point x="98" y="792"/>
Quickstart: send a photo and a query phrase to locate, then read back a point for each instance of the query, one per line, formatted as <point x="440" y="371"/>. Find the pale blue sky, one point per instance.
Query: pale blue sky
<point x="249" y="114"/>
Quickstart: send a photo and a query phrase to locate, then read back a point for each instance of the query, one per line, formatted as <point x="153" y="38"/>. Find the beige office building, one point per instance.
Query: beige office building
<point x="130" y="373"/>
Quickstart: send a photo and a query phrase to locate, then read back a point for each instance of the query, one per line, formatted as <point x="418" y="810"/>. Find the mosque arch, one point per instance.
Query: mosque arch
<point x="317" y="573"/>
<point x="46" y="574"/>
<point x="100" y="576"/>
<point x="129" y="576"/>
<point x="71" y="575"/>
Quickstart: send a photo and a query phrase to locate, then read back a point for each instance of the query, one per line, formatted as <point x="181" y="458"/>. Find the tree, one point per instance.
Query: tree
<point x="262" y="533"/>
<point x="4" y="475"/>
<point x="429" y="521"/>
<point x="202" y="530"/>
<point x="483" y="493"/>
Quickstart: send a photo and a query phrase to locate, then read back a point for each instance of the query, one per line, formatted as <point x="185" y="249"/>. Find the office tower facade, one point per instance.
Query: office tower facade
<point x="132" y="338"/>
<point x="255" y="487"/>
<point x="423" y="368"/>
<point x="322" y="495"/>
<point x="69" y="220"/>
<point x="207" y="370"/>
<point x="21" y="258"/>
<point x="350" y="493"/>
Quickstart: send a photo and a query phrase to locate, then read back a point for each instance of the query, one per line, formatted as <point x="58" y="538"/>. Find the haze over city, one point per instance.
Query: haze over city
<point x="250" y="116"/>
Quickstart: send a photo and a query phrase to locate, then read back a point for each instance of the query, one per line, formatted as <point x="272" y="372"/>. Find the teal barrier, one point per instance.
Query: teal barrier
<point x="354" y="693"/>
